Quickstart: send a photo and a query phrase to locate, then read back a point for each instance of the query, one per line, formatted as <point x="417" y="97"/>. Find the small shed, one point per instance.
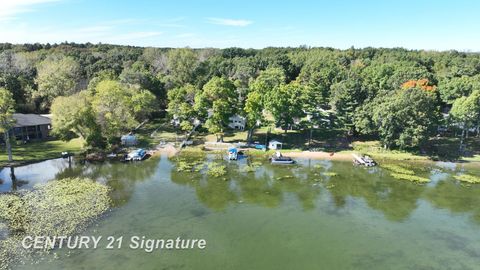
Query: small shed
<point x="129" y="140"/>
<point x="275" y="145"/>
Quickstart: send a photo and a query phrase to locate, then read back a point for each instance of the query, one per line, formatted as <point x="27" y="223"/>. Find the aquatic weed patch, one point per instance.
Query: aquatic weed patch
<point x="62" y="207"/>
<point x="409" y="177"/>
<point x="397" y="169"/>
<point x="251" y="167"/>
<point x="403" y="173"/>
<point x="248" y="169"/>
<point x="216" y="170"/>
<point x="467" y="178"/>
<point x="189" y="163"/>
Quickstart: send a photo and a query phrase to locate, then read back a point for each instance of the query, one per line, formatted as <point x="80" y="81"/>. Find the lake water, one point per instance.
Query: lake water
<point x="278" y="217"/>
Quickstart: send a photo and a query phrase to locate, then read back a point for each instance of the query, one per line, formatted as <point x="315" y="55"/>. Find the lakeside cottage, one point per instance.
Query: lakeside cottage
<point x="237" y="122"/>
<point x="29" y="127"/>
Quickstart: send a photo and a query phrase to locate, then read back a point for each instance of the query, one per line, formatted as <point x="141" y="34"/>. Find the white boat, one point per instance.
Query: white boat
<point x="278" y="158"/>
<point x="136" y="155"/>
<point x="363" y="160"/>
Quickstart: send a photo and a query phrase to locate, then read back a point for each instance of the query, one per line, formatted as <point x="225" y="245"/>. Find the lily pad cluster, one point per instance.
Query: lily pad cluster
<point x="252" y="167"/>
<point x="216" y="170"/>
<point x="63" y="207"/>
<point x="467" y="178"/>
<point x="402" y="173"/>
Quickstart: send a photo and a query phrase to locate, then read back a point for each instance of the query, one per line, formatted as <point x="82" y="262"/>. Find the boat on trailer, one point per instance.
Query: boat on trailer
<point x="278" y="158"/>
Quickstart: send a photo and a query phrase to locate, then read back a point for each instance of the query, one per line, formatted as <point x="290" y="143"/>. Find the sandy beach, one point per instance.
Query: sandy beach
<point x="319" y="155"/>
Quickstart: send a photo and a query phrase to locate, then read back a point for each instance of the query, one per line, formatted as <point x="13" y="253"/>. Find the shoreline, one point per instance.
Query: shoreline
<point x="341" y="156"/>
<point x="170" y="150"/>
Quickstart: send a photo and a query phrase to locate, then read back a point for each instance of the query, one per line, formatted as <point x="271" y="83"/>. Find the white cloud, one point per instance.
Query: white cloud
<point x="229" y="22"/>
<point x="10" y="8"/>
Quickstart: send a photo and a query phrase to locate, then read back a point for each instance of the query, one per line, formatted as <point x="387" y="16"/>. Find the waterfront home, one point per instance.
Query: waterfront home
<point x="237" y="122"/>
<point x="29" y="127"/>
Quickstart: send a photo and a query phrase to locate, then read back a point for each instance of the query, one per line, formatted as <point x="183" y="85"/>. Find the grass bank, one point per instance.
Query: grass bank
<point x="38" y="151"/>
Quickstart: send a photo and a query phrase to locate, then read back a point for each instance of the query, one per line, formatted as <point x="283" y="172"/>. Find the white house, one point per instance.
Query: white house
<point x="275" y="145"/>
<point x="237" y="122"/>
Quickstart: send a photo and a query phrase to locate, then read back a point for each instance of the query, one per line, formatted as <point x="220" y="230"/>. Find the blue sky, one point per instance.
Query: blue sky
<point x="413" y="24"/>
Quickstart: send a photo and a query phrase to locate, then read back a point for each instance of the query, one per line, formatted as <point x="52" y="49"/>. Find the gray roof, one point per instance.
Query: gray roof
<point x="25" y="120"/>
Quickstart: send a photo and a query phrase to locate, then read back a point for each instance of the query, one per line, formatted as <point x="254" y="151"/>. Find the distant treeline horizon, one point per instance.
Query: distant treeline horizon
<point x="394" y="94"/>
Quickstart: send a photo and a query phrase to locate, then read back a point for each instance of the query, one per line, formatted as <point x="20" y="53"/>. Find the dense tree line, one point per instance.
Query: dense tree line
<point x="396" y="95"/>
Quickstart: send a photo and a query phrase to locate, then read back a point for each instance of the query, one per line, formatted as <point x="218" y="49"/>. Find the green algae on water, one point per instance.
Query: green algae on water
<point x="63" y="207"/>
<point x="409" y="177"/>
<point x="248" y="169"/>
<point x="216" y="170"/>
<point x="397" y="169"/>
<point x="467" y="178"/>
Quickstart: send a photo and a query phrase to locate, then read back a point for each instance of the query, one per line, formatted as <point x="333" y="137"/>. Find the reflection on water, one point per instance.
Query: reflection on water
<point x="279" y="217"/>
<point x="30" y="175"/>
<point x="267" y="185"/>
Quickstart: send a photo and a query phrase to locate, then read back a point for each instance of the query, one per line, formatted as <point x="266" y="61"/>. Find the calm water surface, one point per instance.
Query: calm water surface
<point x="278" y="217"/>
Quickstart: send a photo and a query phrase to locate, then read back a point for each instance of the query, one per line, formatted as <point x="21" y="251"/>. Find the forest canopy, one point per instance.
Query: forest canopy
<point x="396" y="95"/>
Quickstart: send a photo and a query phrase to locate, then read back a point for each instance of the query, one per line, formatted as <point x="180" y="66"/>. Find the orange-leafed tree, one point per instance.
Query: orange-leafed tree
<point x="423" y="84"/>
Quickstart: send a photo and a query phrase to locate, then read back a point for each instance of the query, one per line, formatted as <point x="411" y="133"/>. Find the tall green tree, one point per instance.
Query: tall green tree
<point x="181" y="105"/>
<point x="73" y="116"/>
<point x="259" y="88"/>
<point x="118" y="108"/>
<point x="220" y="97"/>
<point x="254" y="107"/>
<point x="346" y="97"/>
<point x="466" y="111"/>
<point x="6" y="118"/>
<point x="404" y="118"/>
<point x="100" y="116"/>
<point x="454" y="88"/>
<point x="181" y="66"/>
<point x="58" y="75"/>
<point x="268" y="80"/>
<point x="285" y="103"/>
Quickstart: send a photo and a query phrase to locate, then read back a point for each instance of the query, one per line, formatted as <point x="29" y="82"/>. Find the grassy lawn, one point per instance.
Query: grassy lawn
<point x="322" y="139"/>
<point x="375" y="150"/>
<point x="445" y="148"/>
<point x="229" y="136"/>
<point x="38" y="151"/>
<point x="155" y="131"/>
